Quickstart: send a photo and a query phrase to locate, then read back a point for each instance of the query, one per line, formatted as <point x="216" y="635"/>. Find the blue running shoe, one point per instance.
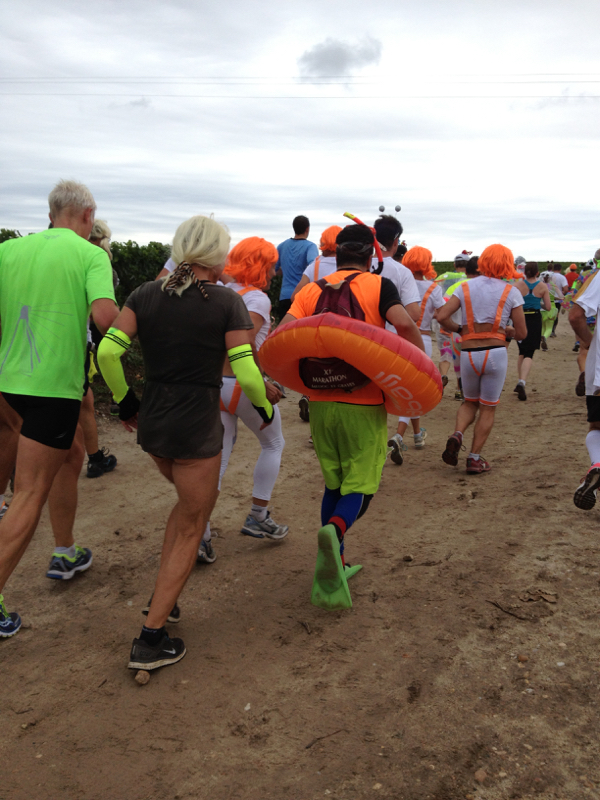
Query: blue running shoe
<point x="63" y="568"/>
<point x="9" y="623"/>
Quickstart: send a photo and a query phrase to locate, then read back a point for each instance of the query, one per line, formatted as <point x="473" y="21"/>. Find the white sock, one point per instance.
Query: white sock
<point x="474" y="456"/>
<point x="259" y="513"/>
<point x="65" y="551"/>
<point x="207" y="536"/>
<point x="592" y="442"/>
<point x="522" y="382"/>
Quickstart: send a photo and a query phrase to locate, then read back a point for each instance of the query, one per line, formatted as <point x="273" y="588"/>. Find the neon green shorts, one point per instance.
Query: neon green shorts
<point x="350" y="442"/>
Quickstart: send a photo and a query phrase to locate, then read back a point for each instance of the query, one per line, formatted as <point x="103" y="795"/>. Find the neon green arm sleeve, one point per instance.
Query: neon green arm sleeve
<point x="111" y="348"/>
<point x="249" y="377"/>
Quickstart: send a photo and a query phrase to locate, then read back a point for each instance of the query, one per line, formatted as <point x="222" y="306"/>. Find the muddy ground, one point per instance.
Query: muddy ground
<point x="467" y="668"/>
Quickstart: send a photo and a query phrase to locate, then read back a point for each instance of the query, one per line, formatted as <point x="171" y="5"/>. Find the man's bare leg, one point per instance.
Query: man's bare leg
<point x="62" y="500"/>
<point x="483" y="427"/>
<point x="10" y="427"/>
<point x="37" y="466"/>
<point x="87" y="420"/>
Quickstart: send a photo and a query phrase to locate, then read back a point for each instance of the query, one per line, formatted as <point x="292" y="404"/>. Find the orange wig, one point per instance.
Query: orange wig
<point x="328" y="238"/>
<point x="250" y="260"/>
<point x="497" y="261"/>
<point x="418" y="259"/>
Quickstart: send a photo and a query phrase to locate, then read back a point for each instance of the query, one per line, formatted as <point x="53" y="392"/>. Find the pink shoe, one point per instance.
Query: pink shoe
<point x="477" y="466"/>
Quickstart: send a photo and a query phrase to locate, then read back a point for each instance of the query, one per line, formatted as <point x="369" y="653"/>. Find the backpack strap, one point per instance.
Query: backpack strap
<point x="247" y="289"/>
<point x="424" y="304"/>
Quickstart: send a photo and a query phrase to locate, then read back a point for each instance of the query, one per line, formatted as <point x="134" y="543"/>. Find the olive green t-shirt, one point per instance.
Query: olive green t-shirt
<point x="48" y="282"/>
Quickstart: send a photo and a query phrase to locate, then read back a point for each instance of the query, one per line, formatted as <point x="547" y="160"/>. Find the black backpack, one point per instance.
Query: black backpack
<point x="334" y="373"/>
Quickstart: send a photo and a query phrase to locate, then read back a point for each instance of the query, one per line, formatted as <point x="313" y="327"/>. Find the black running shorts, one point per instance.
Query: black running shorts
<point x="533" y="320"/>
<point x="593" y="407"/>
<point x="51" y="421"/>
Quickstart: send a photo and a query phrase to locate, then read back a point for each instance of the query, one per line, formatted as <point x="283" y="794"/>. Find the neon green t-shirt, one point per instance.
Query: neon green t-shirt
<point x="48" y="282"/>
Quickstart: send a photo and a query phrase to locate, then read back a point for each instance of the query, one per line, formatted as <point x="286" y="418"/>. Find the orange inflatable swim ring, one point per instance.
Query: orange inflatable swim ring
<point x="408" y="378"/>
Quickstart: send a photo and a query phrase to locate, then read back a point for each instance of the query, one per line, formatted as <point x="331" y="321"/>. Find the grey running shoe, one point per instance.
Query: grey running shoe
<point x="63" y="568"/>
<point x="3" y="509"/>
<point x="144" y="656"/>
<point x="396" y="447"/>
<point x="544" y="343"/>
<point x="420" y="439"/>
<point x="206" y="553"/>
<point x="268" y="528"/>
<point x="585" y="495"/>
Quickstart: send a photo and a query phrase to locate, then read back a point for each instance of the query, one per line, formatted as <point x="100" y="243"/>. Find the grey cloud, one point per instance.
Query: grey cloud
<point x="335" y="57"/>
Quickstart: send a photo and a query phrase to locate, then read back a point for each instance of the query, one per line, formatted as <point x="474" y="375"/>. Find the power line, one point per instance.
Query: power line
<point x="311" y="97"/>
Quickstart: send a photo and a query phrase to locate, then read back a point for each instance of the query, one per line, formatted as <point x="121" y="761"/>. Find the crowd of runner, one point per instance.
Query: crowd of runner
<point x="201" y="325"/>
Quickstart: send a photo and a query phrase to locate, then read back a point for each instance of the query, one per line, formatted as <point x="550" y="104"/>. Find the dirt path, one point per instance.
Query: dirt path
<point x="467" y="668"/>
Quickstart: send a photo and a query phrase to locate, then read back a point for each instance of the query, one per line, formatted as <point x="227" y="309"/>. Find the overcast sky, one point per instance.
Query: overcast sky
<point x="481" y="118"/>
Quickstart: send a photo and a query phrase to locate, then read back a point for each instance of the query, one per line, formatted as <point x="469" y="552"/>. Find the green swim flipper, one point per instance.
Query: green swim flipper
<point x="349" y="571"/>
<point x="330" y="585"/>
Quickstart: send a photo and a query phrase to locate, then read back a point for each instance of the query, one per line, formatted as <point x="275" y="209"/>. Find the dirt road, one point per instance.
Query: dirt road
<point x="467" y="668"/>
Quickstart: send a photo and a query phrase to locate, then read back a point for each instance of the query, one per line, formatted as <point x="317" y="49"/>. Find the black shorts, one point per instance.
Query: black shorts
<point x="531" y="343"/>
<point x="593" y="407"/>
<point x="51" y="421"/>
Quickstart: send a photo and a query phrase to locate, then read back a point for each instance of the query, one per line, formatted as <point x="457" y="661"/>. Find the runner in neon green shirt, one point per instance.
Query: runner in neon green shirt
<point x="48" y="282"/>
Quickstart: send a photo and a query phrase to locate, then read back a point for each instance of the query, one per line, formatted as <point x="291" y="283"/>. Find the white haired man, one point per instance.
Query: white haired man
<point x="49" y="283"/>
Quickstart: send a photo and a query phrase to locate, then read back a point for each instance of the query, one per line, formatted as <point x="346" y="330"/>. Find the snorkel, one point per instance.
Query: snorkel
<point x="376" y="243"/>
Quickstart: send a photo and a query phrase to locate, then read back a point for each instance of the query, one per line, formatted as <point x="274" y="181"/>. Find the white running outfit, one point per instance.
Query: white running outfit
<point x="483" y="372"/>
<point x="237" y="405"/>
<point x="430" y="300"/>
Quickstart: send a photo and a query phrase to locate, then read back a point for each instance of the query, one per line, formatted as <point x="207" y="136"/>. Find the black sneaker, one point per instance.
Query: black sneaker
<point x="304" y="413"/>
<point x="96" y="469"/>
<point x="520" y="390"/>
<point x="167" y="651"/>
<point x="174" y="615"/>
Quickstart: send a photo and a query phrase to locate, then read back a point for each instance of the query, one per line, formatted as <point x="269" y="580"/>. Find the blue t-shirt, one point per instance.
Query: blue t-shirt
<point x="294" y="257"/>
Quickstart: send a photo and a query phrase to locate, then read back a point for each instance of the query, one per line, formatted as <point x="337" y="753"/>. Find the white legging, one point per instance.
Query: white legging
<point x="483" y="374"/>
<point x="270" y="439"/>
<point x="428" y="349"/>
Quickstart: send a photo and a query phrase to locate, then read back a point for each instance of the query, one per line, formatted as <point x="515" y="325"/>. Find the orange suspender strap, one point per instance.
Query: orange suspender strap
<point x="235" y="399"/>
<point x="424" y="304"/>
<point x="501" y="305"/>
<point x="493" y="334"/>
<point x="479" y="374"/>
<point x="316" y="272"/>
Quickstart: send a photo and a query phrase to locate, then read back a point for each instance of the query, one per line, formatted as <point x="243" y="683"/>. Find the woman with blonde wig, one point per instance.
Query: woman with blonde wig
<point x="187" y="326"/>
<point x="487" y="305"/>
<point x="419" y="262"/>
<point x="251" y="266"/>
